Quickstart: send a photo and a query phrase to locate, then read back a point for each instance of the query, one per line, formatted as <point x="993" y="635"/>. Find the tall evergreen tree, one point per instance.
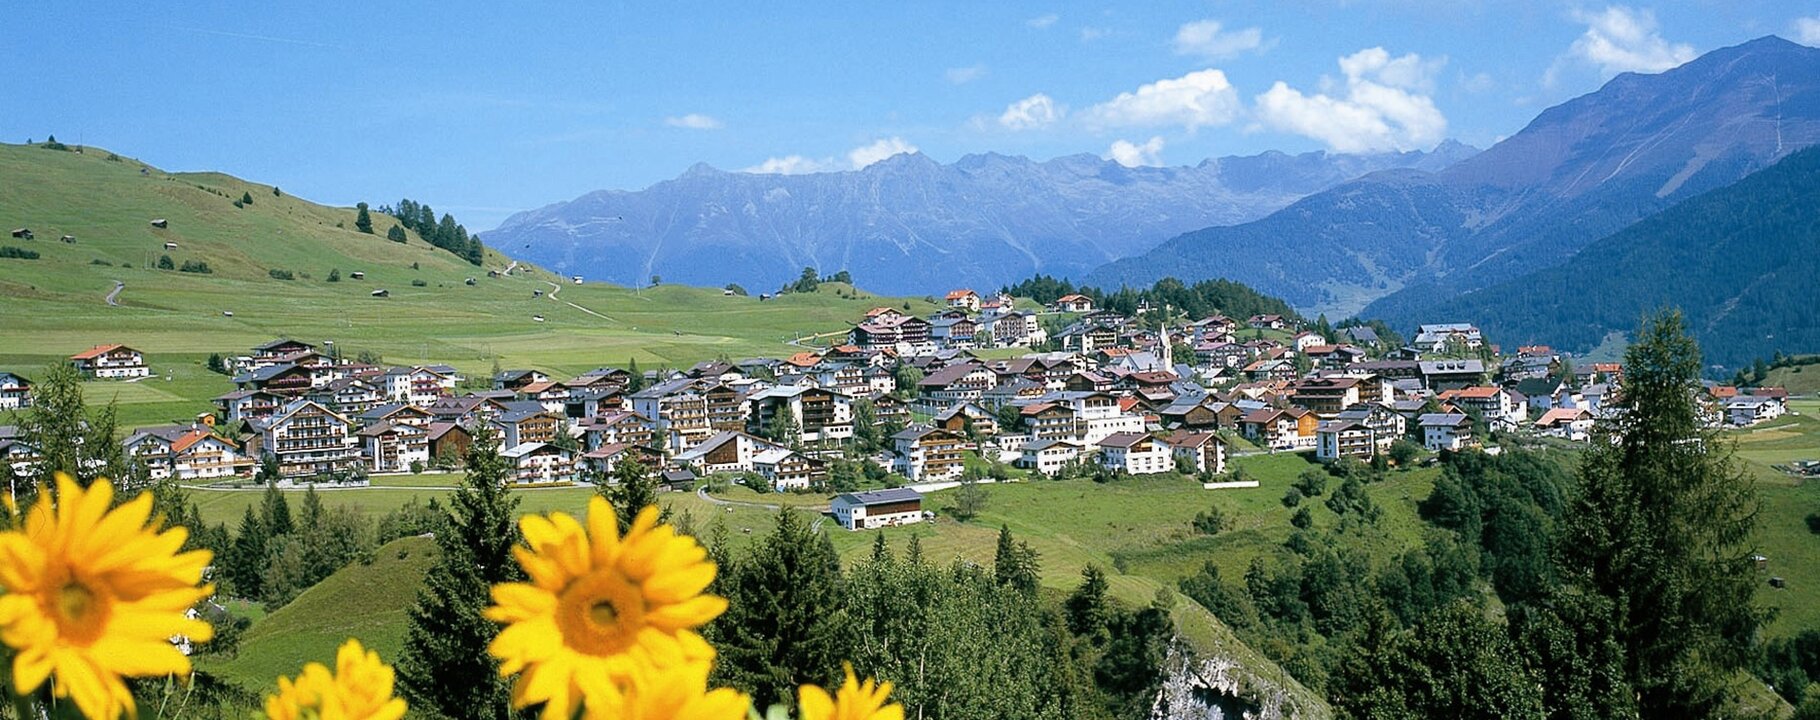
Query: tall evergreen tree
<point x="277" y="512"/>
<point x="363" y="221"/>
<point x="1015" y="564"/>
<point x="1662" y="530"/>
<point x="633" y="487"/>
<point x="67" y="436"/>
<point x="784" y="624"/>
<point x="246" y="559"/>
<point x="445" y="667"/>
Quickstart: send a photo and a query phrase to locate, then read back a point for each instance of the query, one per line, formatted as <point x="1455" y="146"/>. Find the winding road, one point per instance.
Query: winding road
<point x="557" y="287"/>
<point x="113" y="296"/>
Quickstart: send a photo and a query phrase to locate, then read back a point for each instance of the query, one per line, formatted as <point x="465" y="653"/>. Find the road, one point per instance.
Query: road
<point x="113" y="295"/>
<point x="702" y="493"/>
<point x="556" y="288"/>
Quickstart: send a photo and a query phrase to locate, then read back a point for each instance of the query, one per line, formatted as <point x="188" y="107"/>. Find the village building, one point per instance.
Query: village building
<point x="926" y="454"/>
<point x="678" y="413"/>
<point x="1280" y="429"/>
<point x="1336" y="439"/>
<point x="607" y="458"/>
<point x="394" y="447"/>
<point x="539" y="463"/>
<point x="448" y="441"/>
<point x="786" y="469"/>
<point x="963" y="299"/>
<point x="877" y="508"/>
<point x="1048" y="456"/>
<point x="15" y="391"/>
<point x="309" y="440"/>
<point x="1205" y="452"/>
<point x="527" y="422"/>
<point x="1439" y="337"/>
<point x="1438" y="375"/>
<point x="821" y="416"/>
<point x="111" y="362"/>
<point x="1567" y="423"/>
<point x="1446" y="431"/>
<point x="1073" y="303"/>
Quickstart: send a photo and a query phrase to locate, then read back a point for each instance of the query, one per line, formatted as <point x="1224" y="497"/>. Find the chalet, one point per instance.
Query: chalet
<point x="1222" y="354"/>
<point x="286" y="380"/>
<point x="111" y="362"/>
<point x="1326" y="395"/>
<point x="539" y="463"/>
<point x="1278" y="429"/>
<point x="1362" y="335"/>
<point x="309" y="440"/>
<point x="552" y="395"/>
<point x="897" y="333"/>
<point x="786" y="469"/>
<point x="1389" y="369"/>
<point x="15" y="391"/>
<point x="1271" y="369"/>
<point x="201" y="455"/>
<point x="1336" y="439"/>
<point x="1135" y="453"/>
<point x="617" y="427"/>
<point x="1440" y="337"/>
<point x="418" y="385"/>
<point x="1494" y="404"/>
<point x="348" y="395"/>
<point x="602" y="378"/>
<point x="1073" y="303"/>
<point x="953" y="332"/>
<point x="964" y="382"/>
<point x="17" y="454"/>
<point x="1387" y="425"/>
<point x="1267" y="322"/>
<point x="398" y="414"/>
<point x="1010" y="329"/>
<point x="151" y="446"/>
<point x="249" y="405"/>
<point x="527" y="422"/>
<point x="889" y="410"/>
<point x="1048" y="455"/>
<point x="1196" y="412"/>
<point x="1333" y="357"/>
<point x="964" y="299"/>
<point x="1438" y="375"/>
<point x="678" y="413"/>
<point x="1446" y="431"/>
<point x="447" y="441"/>
<point x="1085" y="337"/>
<point x="1745" y="410"/>
<point x="1527" y="367"/>
<point x="269" y="353"/>
<point x="606" y="458"/>
<point x="821" y="416"/>
<point x="391" y="447"/>
<point x="962" y="417"/>
<point x="1568" y="423"/>
<point x="1307" y="339"/>
<point x="926" y="454"/>
<point x="877" y="508"/>
<point x="728" y="451"/>
<point x="1539" y="393"/>
<point x="1204" y="451"/>
<point x="592" y="402"/>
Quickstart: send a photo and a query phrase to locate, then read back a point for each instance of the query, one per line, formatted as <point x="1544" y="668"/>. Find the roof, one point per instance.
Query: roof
<point x="1436" y="367"/>
<point x="1124" y="439"/>
<point x="97" y="351"/>
<point x="1478" y="392"/>
<point x="881" y="497"/>
<point x="1073" y="298"/>
<point x="1560" y="415"/>
<point x="1443" y="420"/>
<point x="281" y="342"/>
<point x="958" y="294"/>
<point x="523" y="449"/>
<point x="1191" y="440"/>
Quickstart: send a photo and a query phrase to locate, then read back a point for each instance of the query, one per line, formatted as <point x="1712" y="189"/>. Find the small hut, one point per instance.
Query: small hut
<point x="358" y="275"/>
<point x="23" y="233"/>
<point x="381" y="293"/>
<point x="161" y="223"/>
<point x="170" y="246"/>
<point x="71" y="239"/>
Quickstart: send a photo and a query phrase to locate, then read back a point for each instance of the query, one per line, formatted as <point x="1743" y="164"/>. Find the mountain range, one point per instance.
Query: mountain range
<point x="911" y="225"/>
<point x="1393" y="243"/>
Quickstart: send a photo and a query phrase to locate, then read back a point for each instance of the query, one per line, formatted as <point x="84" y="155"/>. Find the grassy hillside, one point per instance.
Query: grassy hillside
<point x="364" y="601"/>
<point x="56" y="303"/>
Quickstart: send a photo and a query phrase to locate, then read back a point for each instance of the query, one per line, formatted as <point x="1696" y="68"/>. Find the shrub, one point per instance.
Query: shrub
<point x="195" y="266"/>
<point x="99" y="261"/>
<point x="1210" y="521"/>
<point x="334" y="274"/>
<point x="1813" y="523"/>
<point x="17" y="253"/>
<point x="419" y="283"/>
<point x="1292" y="497"/>
<point x="396" y="234"/>
<point x="166" y="263"/>
<point x="281" y="274"/>
<point x="1311" y="482"/>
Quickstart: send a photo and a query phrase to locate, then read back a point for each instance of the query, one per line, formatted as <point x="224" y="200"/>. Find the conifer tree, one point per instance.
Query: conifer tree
<point x="1086" y="609"/>
<point x="445" y="667"/>
<point x="784" y="625"/>
<point x="363" y="221"/>
<point x="1015" y="564"/>
<point x="67" y="436"/>
<point x="396" y="234"/>
<point x="632" y="489"/>
<point x="1662" y="531"/>
<point x="246" y="557"/>
<point x="277" y="512"/>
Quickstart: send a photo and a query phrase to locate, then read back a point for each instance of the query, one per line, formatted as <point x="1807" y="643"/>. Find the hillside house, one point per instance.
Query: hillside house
<point x="1267" y="322"/>
<point x="348" y="395"/>
<point x="1048" y="456"/>
<point x="527" y="422"/>
<point x="1280" y="429"/>
<point x="1204" y="451"/>
<point x="391" y="447"/>
<point x="953" y="332"/>
<point x="964" y="299"/>
<point x="1326" y="395"/>
<point x="787" y="469"/>
<point x="1073" y="303"/>
<point x="607" y="458"/>
<point x="539" y="463"/>
<point x="1442" y="336"/>
<point x="270" y="353"/>
<point x="285" y="379"/>
<point x="1747" y="410"/>
<point x="617" y="427"/>
<point x="728" y="451"/>
<point x="1387" y="425"/>
<point x="15" y="391"/>
<point x="898" y="333"/>
<point x="1446" y="431"/>
<point x="677" y="411"/>
<point x="447" y="440"/>
<point x="551" y="394"/>
<point x="821" y="416"/>
<point x="877" y="508"/>
<point x="1136" y="453"/>
<point x="418" y="385"/>
<point x="1567" y="423"/>
<point x="111" y="362"/>
<point x="1439" y="375"/>
<point x="186" y="453"/>
<point x="1336" y="439"/>
<point x="926" y="454"/>
<point x="963" y="382"/>
<point x="309" y="440"/>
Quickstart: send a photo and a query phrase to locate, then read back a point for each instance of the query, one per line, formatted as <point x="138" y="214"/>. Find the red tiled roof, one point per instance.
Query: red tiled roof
<point x="958" y="294"/>
<point x="97" y="351"/>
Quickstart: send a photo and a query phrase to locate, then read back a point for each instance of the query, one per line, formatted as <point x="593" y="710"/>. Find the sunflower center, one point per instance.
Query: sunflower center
<point x="601" y="613"/>
<point x="80" y="610"/>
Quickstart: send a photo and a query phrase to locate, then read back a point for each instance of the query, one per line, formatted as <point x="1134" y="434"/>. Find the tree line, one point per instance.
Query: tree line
<point x="1204" y="298"/>
<point x="445" y="233"/>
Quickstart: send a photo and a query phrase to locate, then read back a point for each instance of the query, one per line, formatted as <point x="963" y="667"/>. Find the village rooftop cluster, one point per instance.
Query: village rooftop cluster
<point x="908" y="400"/>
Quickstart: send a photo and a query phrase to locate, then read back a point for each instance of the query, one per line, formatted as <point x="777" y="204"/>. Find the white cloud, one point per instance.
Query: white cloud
<point x="880" y="149"/>
<point x="1036" y="111"/>
<point x="964" y="75"/>
<point x="792" y="165"/>
<point x="1620" y="39"/>
<point x="1200" y="98"/>
<point x="1130" y="154"/>
<point x="1090" y="33"/>
<point x="1807" y="31"/>
<point x="1042" y="21"/>
<point x="1385" y="106"/>
<point x="694" y="121"/>
<point x="1477" y="83"/>
<point x="1207" y="39"/>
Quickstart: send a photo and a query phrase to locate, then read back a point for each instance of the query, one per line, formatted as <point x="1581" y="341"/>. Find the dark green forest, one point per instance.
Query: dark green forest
<point x="1233" y="299"/>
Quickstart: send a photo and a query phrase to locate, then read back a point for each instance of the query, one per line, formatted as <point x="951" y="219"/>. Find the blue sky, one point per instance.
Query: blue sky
<point x="487" y="108"/>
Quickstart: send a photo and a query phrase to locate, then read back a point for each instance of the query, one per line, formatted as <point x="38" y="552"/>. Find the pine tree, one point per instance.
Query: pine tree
<point x="277" y="512"/>
<point x="396" y="234"/>
<point x="1661" y="530"/>
<point x="1086" y="609"/>
<point x="784" y="625"/>
<point x="445" y="667"/>
<point x="68" y="437"/>
<point x="1015" y="564"/>
<point x="246" y="198"/>
<point x="246" y="558"/>
<point x="633" y="488"/>
<point x="362" y="220"/>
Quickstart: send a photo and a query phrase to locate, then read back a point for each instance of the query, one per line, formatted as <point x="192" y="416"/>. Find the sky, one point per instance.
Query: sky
<point x="487" y="108"/>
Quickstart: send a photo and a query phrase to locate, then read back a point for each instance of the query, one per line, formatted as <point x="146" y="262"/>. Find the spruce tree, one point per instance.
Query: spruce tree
<point x="363" y="221"/>
<point x="277" y="512"/>
<point x="445" y="667"/>
<point x="59" y="425"/>
<point x="632" y="488"/>
<point x="1661" y="530"/>
<point x="784" y="625"/>
<point x="246" y="557"/>
<point x="1015" y="564"/>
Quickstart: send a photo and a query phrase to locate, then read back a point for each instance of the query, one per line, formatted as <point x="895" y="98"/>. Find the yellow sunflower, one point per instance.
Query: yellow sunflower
<point x="94" y="595"/>
<point x="599" y="607"/>
<point x="679" y="693"/>
<point x="855" y="701"/>
<point x="359" y="689"/>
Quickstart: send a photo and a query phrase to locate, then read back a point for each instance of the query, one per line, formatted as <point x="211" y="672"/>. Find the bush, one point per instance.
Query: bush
<point x="99" y="261"/>
<point x="1302" y="519"/>
<point x="419" y="283"/>
<point x="1292" y="497"/>
<point x="281" y="274"/>
<point x="1210" y="521"/>
<point x="17" y="253"/>
<point x="396" y="234"/>
<point x="1311" y="482"/>
<point x="334" y="274"/>
<point x="166" y="263"/>
<point x="1813" y="523"/>
<point x="195" y="266"/>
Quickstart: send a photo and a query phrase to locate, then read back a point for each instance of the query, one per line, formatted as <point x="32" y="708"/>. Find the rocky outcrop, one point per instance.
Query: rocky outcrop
<point x="1217" y="687"/>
